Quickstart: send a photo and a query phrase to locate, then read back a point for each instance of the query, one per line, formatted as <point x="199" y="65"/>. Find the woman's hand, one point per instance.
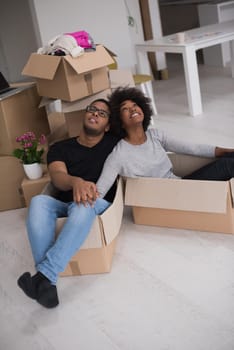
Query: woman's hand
<point x="84" y="192"/>
<point x="219" y="151"/>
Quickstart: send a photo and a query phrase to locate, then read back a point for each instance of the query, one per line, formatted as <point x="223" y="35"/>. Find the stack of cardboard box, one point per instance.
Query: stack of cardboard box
<point x="19" y="113"/>
<point x="75" y="82"/>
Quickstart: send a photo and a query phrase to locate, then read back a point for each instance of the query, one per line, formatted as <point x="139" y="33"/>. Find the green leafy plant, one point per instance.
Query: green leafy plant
<point x="30" y="151"/>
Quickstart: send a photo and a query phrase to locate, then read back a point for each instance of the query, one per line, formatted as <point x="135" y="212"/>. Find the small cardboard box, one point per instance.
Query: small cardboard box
<point x="31" y="188"/>
<point x="185" y="204"/>
<point x="96" y="253"/>
<point x="19" y="113"/>
<point x="68" y="78"/>
<point x="11" y="176"/>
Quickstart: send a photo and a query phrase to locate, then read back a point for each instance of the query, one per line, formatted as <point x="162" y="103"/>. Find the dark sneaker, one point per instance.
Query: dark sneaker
<point x="47" y="295"/>
<point x="39" y="288"/>
<point x="25" y="283"/>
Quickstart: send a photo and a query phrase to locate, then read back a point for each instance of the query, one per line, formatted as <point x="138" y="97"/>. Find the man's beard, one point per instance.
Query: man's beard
<point x="92" y="132"/>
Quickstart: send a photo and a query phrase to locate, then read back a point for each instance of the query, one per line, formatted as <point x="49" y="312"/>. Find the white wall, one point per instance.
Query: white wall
<point x="136" y="30"/>
<point x="105" y="20"/>
<point x="17" y="37"/>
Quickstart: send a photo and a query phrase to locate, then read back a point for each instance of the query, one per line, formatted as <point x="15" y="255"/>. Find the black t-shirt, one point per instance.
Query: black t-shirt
<point x="81" y="161"/>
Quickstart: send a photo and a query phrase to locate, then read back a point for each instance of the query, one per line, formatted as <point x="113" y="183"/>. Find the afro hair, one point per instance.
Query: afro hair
<point x="117" y="97"/>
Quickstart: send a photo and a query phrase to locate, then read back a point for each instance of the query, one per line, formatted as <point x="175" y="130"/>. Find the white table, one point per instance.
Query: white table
<point x="210" y="13"/>
<point x="196" y="39"/>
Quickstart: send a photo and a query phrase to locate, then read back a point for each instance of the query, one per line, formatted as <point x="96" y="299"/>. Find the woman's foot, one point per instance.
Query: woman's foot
<point x="39" y="288"/>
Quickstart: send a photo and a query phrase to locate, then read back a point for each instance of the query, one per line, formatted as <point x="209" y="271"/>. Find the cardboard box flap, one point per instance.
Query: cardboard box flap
<point x="184" y="164"/>
<point x="120" y="77"/>
<point x="81" y="104"/>
<point x="113" y="54"/>
<point x="39" y="66"/>
<point x="94" y="238"/>
<point x="112" y="218"/>
<point x="47" y="101"/>
<point x="232" y="190"/>
<point x="190" y="195"/>
<point x="90" y="60"/>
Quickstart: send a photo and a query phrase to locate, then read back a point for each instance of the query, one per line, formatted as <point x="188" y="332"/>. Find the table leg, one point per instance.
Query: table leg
<point x="143" y="67"/>
<point x="192" y="81"/>
<point x="232" y="57"/>
<point x="147" y="89"/>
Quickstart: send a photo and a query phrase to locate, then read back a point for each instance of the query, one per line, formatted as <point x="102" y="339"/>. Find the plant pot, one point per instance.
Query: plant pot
<point x="33" y="171"/>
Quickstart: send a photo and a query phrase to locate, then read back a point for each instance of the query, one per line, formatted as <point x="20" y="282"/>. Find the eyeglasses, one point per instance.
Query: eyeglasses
<point x="100" y="112"/>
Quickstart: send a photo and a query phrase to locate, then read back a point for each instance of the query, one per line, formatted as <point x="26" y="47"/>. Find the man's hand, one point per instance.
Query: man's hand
<point x="84" y="191"/>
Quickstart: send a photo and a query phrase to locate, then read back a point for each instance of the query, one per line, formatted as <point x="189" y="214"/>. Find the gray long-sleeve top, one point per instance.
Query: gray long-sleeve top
<point x="149" y="159"/>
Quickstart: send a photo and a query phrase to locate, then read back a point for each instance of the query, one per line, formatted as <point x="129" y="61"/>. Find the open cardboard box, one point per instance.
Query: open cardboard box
<point x="96" y="253"/>
<point x="185" y="204"/>
<point x="68" y="78"/>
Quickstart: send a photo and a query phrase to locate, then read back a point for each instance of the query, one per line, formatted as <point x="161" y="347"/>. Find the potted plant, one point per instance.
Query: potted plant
<point x="30" y="153"/>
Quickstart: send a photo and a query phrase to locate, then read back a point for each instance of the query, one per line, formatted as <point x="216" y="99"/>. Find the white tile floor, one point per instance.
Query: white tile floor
<point x="168" y="289"/>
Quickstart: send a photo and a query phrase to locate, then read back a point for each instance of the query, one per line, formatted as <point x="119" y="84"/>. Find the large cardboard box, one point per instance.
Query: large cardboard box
<point x="68" y="78"/>
<point x="19" y="113"/>
<point x="56" y="121"/>
<point x="185" y="204"/>
<point x="11" y="176"/>
<point x="31" y="188"/>
<point x="96" y="253"/>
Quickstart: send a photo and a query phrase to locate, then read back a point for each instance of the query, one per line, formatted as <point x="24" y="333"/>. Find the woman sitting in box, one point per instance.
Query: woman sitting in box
<point x="142" y="151"/>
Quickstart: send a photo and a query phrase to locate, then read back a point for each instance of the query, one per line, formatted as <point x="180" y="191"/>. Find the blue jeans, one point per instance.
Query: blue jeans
<point x="52" y="255"/>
